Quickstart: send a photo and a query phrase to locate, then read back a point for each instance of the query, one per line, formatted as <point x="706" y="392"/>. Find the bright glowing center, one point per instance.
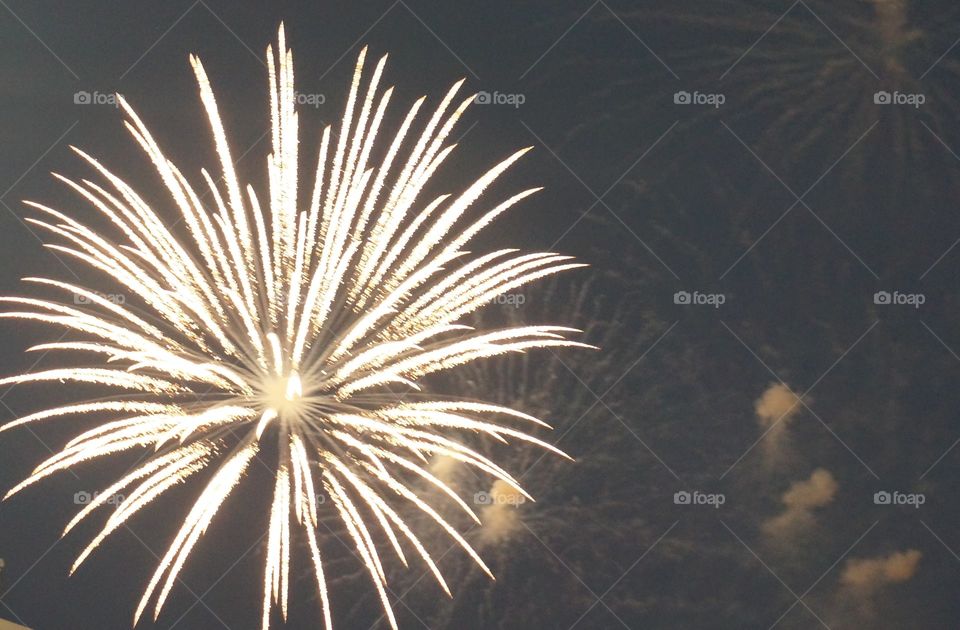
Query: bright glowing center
<point x="282" y="396"/>
<point x="284" y="392"/>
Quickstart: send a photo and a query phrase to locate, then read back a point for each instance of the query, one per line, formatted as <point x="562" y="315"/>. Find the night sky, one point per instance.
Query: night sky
<point x="766" y="194"/>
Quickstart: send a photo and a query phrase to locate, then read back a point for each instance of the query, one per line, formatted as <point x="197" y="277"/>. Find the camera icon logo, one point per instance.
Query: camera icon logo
<point x="682" y="98"/>
<point x="681" y="497"/>
<point x="82" y="498"/>
<point x="882" y="297"/>
<point x="882" y="98"/>
<point x="82" y="98"/>
<point x="482" y="98"/>
<point x="881" y="497"/>
<point x="483" y="498"/>
<point x="681" y="297"/>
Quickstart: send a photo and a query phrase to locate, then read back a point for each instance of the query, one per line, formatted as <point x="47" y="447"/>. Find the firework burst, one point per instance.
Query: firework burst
<point x="817" y="78"/>
<point x="301" y="319"/>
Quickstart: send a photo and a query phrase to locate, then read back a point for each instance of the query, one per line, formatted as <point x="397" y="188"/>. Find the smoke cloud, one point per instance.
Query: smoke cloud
<point x="869" y="574"/>
<point x="500" y="514"/>
<point x="800" y="500"/>
<point x="775" y="409"/>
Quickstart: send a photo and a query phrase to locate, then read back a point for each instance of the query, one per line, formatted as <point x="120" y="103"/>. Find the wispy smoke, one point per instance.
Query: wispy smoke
<point x="858" y="601"/>
<point x="445" y="468"/>
<point x="775" y="409"/>
<point x="500" y="516"/>
<point x="866" y="575"/>
<point x="777" y="402"/>
<point x="800" y="500"/>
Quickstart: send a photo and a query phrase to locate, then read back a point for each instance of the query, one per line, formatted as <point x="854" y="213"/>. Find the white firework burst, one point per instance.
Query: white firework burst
<point x="303" y="319"/>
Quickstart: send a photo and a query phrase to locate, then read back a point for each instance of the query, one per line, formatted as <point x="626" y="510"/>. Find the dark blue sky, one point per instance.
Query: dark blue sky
<point x="797" y="196"/>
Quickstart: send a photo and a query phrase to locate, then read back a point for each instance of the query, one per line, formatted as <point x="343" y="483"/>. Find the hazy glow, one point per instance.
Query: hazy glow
<point x="500" y="515"/>
<point x="302" y="318"/>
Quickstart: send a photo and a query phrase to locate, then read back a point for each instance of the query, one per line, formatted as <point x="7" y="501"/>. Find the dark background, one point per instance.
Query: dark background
<point x="658" y="197"/>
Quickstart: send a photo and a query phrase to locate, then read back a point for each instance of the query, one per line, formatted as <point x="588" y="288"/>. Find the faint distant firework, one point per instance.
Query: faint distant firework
<point x="803" y="83"/>
<point x="581" y="516"/>
<point x="843" y="73"/>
